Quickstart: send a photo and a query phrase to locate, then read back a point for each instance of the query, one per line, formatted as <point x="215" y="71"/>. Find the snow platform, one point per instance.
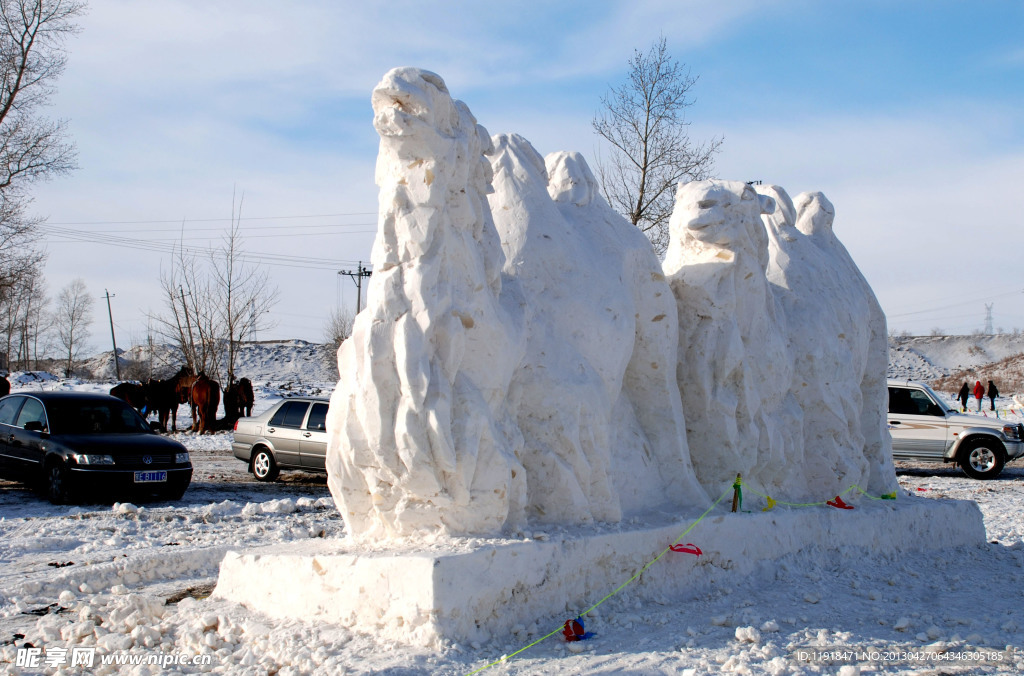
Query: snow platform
<point x="470" y="589"/>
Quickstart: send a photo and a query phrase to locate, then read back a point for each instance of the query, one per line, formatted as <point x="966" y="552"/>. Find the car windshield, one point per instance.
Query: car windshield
<point x="936" y="398"/>
<point x="94" y="416"/>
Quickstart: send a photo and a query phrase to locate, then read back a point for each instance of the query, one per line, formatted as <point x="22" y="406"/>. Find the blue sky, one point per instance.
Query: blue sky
<point x="908" y="115"/>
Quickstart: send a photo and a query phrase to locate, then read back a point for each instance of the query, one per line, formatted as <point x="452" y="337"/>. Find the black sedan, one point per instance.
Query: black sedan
<point x="91" y="446"/>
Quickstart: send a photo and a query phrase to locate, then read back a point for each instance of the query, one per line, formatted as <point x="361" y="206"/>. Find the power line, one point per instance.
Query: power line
<point x="211" y="239"/>
<point x="214" y="220"/>
<point x="259" y="258"/>
<point x="289" y="228"/>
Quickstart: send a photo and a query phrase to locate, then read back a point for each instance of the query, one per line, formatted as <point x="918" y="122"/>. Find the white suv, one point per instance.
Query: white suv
<point x="924" y="428"/>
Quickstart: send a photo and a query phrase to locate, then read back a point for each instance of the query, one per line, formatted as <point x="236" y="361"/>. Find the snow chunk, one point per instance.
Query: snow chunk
<point x="748" y="635"/>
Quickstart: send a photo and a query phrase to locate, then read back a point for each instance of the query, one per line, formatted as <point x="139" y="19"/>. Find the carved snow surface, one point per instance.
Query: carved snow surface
<point x="828" y="350"/>
<point x="862" y="314"/>
<point x="782" y="367"/>
<point x="734" y="362"/>
<point x="598" y="405"/>
<point x="523" y="356"/>
<point x="422" y="437"/>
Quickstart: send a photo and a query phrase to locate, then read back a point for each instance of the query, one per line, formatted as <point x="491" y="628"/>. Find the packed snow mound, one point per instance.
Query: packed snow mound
<point x="523" y="357"/>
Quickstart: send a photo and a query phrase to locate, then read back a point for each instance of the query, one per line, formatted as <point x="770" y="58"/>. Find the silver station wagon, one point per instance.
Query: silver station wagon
<point x="291" y="435"/>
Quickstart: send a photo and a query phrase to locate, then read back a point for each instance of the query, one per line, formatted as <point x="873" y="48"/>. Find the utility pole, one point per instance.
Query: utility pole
<point x="117" y="366"/>
<point x="357" y="277"/>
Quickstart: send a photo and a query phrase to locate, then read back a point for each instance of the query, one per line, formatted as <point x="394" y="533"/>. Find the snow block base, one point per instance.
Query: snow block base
<point x="470" y="589"/>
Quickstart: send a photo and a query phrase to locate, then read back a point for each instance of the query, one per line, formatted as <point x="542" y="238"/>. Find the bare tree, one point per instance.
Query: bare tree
<point x="32" y="56"/>
<point x="188" y="324"/>
<point x="24" y="320"/>
<point x="652" y="152"/>
<point x="244" y="291"/>
<point x="72" y="318"/>
<point x="213" y="301"/>
<point x="339" y="327"/>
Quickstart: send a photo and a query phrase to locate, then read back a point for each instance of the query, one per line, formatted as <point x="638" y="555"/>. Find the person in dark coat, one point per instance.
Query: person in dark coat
<point x="979" y="393"/>
<point x="965" y="393"/>
<point x="993" y="392"/>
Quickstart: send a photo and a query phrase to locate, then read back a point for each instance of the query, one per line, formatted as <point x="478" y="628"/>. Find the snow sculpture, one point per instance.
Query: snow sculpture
<point x="523" y="356"/>
<point x="421" y="433"/>
<point x="862" y="316"/>
<point x="598" y="406"/>
<point x="734" y="366"/>
<point x="827" y="351"/>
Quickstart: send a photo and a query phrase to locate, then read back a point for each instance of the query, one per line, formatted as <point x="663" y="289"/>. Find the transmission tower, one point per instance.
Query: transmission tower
<point x="988" y="319"/>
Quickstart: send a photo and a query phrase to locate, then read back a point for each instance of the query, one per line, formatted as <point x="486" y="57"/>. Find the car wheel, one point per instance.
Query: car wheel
<point x="264" y="467"/>
<point x="982" y="459"/>
<point x="58" y="483"/>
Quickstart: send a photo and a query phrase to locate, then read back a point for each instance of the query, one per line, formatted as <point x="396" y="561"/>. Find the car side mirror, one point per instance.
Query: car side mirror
<point x="34" y="426"/>
<point x="935" y="409"/>
<point x="154" y="425"/>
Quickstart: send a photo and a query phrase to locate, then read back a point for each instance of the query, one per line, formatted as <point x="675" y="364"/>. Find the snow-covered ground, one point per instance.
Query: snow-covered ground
<point x="132" y="580"/>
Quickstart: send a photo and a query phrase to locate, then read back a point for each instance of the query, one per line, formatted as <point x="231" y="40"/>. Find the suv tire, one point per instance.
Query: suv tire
<point x="982" y="458"/>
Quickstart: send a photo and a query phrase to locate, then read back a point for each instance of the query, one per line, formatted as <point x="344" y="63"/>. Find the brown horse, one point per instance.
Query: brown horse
<point x="205" y="398"/>
<point x="134" y="394"/>
<point x="238" y="400"/>
<point x="184" y="380"/>
<point x="164" y="397"/>
<point x="5" y="386"/>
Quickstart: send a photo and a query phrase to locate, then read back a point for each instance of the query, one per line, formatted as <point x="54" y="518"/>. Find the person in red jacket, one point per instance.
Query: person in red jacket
<point x="979" y="393"/>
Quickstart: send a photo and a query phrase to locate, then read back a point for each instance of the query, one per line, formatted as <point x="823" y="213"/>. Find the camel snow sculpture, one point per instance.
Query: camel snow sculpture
<point x="523" y="357"/>
<point x="814" y="218"/>
<point x="597" y="403"/>
<point x="734" y="368"/>
<point x="828" y="352"/>
<point x="421" y="434"/>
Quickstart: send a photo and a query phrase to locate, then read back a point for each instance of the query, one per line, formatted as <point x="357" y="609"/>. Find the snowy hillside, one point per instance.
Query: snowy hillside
<point x="272" y="360"/>
<point x="932" y="357"/>
<point x="926" y="358"/>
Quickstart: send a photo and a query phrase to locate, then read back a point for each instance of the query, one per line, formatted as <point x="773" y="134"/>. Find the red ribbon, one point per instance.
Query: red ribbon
<point x="688" y="548"/>
<point x="839" y="504"/>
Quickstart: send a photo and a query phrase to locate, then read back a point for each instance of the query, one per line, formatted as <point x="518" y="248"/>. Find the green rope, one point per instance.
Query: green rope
<point x="640" y="572"/>
<point x="736" y="486"/>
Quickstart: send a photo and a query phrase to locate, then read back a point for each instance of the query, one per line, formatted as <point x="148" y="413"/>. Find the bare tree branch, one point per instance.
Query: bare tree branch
<point x="644" y="122"/>
<point x="72" y="318"/>
<point x="32" y="55"/>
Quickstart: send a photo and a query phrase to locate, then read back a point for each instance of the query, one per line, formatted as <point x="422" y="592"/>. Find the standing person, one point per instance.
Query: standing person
<point x="979" y="394"/>
<point x="965" y="393"/>
<point x="993" y="392"/>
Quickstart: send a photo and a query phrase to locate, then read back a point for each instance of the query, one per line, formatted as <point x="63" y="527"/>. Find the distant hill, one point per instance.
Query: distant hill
<point x="260" y="361"/>
<point x="946" y="362"/>
<point x="942" y="361"/>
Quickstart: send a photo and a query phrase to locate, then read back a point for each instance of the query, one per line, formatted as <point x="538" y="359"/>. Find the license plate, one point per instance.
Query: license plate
<point x="150" y="477"/>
